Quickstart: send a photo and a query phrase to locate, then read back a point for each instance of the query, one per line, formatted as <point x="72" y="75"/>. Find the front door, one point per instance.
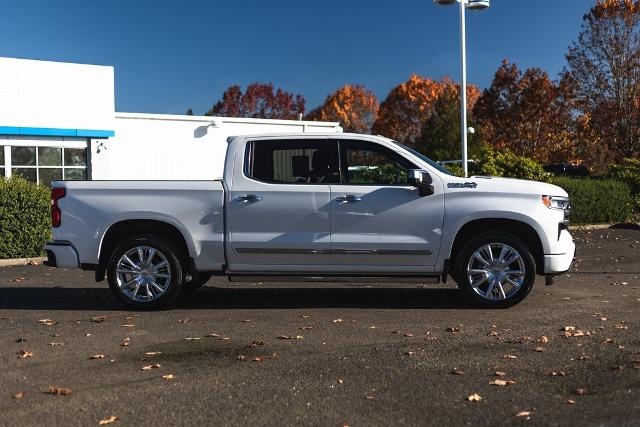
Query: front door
<point x="378" y="222"/>
<point x="278" y="207"/>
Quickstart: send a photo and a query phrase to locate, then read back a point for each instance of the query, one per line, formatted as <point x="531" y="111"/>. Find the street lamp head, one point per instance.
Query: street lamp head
<point x="478" y="4"/>
<point x="469" y="4"/>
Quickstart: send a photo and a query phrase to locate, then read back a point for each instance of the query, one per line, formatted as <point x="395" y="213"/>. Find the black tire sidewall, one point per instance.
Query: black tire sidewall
<point x="494" y="237"/>
<point x="177" y="276"/>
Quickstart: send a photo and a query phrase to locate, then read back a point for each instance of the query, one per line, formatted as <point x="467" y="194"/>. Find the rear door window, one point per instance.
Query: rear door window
<point x="301" y="161"/>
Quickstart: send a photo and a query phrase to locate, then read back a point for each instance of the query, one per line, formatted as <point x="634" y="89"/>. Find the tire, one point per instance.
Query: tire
<point x="196" y="280"/>
<point x="140" y="285"/>
<point x="484" y="278"/>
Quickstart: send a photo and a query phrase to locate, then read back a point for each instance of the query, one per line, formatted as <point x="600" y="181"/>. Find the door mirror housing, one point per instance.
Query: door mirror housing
<point x="422" y="181"/>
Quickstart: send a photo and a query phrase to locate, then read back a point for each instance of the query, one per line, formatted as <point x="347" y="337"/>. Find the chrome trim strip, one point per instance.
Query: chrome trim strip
<point x="292" y="278"/>
<point x="285" y="251"/>
<point x="288" y="251"/>
<point x="380" y="252"/>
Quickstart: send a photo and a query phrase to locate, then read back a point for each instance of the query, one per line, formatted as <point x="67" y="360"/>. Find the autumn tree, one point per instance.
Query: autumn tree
<point x="260" y="101"/>
<point x="604" y="62"/>
<point x="441" y="135"/>
<point x="528" y="113"/>
<point x="405" y="110"/>
<point x="403" y="114"/>
<point x="354" y="106"/>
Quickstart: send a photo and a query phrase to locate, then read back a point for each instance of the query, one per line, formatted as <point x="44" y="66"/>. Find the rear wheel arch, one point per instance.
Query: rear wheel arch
<point x="123" y="230"/>
<point x="523" y="231"/>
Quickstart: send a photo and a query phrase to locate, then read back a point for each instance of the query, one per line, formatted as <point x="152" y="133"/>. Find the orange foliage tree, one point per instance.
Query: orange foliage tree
<point x="405" y="111"/>
<point x="605" y="64"/>
<point x="259" y="101"/>
<point x="528" y="113"/>
<point x="354" y="106"/>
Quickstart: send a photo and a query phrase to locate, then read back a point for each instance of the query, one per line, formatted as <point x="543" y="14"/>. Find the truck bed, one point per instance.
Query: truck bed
<point x="195" y="208"/>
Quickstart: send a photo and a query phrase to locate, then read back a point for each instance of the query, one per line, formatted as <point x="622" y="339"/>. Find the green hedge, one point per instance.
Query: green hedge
<point x="25" y="218"/>
<point x="628" y="171"/>
<point x="596" y="201"/>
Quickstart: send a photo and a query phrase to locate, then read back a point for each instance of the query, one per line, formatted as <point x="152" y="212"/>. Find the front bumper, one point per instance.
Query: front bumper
<point x="559" y="263"/>
<point x="61" y="255"/>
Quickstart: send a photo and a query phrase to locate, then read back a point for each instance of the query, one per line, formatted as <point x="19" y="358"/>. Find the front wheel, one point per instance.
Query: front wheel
<point x="495" y="270"/>
<point x="144" y="273"/>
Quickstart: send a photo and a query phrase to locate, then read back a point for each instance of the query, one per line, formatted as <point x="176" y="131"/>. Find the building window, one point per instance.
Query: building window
<point x="1" y="161"/>
<point x="44" y="164"/>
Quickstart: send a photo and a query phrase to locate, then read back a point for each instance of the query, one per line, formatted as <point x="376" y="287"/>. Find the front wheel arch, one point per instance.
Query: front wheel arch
<point x="525" y="232"/>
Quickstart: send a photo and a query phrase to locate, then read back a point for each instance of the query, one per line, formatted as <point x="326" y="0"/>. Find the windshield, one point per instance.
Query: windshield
<point x="425" y="159"/>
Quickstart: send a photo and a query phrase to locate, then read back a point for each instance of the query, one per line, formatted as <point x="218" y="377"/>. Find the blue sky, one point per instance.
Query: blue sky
<point x="172" y="55"/>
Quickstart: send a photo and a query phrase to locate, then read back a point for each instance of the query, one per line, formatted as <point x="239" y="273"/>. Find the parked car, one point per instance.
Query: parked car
<point x="314" y="207"/>
<point x="567" y="169"/>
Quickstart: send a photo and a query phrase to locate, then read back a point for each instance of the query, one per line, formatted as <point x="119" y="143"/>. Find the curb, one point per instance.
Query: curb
<point x="20" y="261"/>
<point x="631" y="226"/>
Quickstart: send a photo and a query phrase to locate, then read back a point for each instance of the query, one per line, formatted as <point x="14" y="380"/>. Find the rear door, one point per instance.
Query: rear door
<point x="278" y="204"/>
<point x="379" y="223"/>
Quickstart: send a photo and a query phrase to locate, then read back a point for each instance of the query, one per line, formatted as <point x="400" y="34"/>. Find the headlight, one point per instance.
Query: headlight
<point x="556" y="202"/>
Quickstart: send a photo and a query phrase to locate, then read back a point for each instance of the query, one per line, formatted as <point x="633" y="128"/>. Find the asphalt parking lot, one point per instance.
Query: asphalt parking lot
<point x="266" y="354"/>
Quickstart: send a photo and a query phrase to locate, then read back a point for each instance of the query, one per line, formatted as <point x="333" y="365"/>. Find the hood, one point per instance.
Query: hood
<point x="508" y="185"/>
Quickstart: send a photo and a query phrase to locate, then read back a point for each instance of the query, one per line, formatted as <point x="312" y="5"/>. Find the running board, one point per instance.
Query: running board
<point x="267" y="278"/>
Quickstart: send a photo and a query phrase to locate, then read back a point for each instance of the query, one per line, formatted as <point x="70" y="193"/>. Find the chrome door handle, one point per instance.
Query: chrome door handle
<point x="348" y="199"/>
<point x="248" y="198"/>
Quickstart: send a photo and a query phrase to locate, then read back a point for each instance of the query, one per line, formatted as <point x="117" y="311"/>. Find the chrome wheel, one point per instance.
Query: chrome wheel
<point x="143" y="274"/>
<point x="496" y="271"/>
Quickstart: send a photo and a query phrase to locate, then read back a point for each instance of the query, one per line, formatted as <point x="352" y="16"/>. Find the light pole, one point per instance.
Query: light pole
<point x="471" y="5"/>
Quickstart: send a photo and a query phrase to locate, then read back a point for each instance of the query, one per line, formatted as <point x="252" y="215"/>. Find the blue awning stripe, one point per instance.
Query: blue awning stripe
<point x="31" y="131"/>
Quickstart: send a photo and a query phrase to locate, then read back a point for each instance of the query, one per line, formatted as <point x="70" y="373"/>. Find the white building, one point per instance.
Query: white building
<point x="58" y="121"/>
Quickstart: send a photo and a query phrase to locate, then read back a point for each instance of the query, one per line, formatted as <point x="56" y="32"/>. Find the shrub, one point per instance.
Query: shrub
<point x="25" y="219"/>
<point x="596" y="201"/>
<point x="504" y="163"/>
<point x="455" y="169"/>
<point x="629" y="172"/>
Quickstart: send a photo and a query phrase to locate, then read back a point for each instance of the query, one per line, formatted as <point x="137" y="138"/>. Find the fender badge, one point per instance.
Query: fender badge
<point x="462" y="185"/>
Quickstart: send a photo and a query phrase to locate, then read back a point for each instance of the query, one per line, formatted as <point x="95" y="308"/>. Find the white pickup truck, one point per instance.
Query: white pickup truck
<point x="301" y="207"/>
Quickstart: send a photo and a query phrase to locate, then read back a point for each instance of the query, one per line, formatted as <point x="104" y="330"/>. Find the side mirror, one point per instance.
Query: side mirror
<point x="422" y="181"/>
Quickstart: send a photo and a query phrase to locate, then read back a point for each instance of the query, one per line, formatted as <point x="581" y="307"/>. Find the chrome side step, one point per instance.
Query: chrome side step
<point x="267" y="278"/>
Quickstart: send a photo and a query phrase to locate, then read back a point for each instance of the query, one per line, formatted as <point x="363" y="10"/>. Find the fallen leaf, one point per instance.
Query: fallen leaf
<point x="570" y="402"/>
<point x="556" y="374"/>
<point x="154" y="366"/>
<point x="111" y="419"/>
<point x="581" y="391"/>
<point x="131" y="317"/>
<point x="338" y="321"/>
<point x="499" y="373"/>
<point x="59" y="391"/>
<point x="492" y="334"/>
<point x="47" y="322"/>
<point x="543" y="339"/>
<point x="32" y="262"/>
<point x="410" y="353"/>
<point x="97" y="356"/>
<point x="19" y="395"/>
<point x="128" y="325"/>
<point x="407" y="335"/>
<point x="168" y="377"/>
<point x="306" y="328"/>
<point x="23" y="354"/>
<point x="212" y="335"/>
<point x="457" y="371"/>
<point x="474" y="398"/>
<point x="153" y="353"/>
<point x="192" y="338"/>
<point x="369" y="397"/>
<point x="258" y="359"/>
<point x="523" y="414"/>
<point x="453" y="329"/>
<point x="502" y="382"/>
<point x="125" y="342"/>
<point x="509" y="356"/>
<point x="539" y="349"/>
<point x="53" y="344"/>
<point x="98" y="319"/>
<point x="287" y="337"/>
<point x="568" y="328"/>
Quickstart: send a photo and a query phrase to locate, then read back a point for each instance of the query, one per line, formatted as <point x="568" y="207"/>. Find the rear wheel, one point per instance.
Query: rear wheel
<point x="495" y="270"/>
<point x="144" y="273"/>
